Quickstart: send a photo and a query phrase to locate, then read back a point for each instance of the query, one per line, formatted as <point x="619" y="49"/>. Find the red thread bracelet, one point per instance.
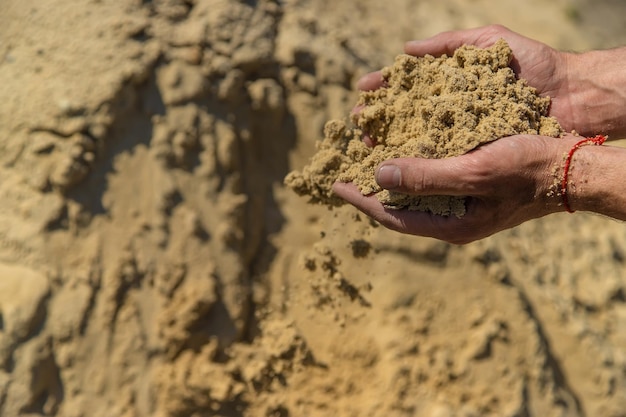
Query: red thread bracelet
<point x="597" y="140"/>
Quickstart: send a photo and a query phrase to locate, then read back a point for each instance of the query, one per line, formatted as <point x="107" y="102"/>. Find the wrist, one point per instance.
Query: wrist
<point x="595" y="87"/>
<point x="596" y="140"/>
<point x="596" y="181"/>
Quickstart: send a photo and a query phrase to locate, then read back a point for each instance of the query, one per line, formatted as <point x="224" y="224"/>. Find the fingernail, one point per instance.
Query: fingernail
<point x="388" y="176"/>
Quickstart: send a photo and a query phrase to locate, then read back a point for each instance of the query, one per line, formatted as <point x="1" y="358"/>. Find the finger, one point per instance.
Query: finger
<point x="371" y="81"/>
<point x="369" y="141"/>
<point x="448" y="228"/>
<point x="419" y="176"/>
<point x="357" y="109"/>
<point x="448" y="42"/>
<point x="366" y="138"/>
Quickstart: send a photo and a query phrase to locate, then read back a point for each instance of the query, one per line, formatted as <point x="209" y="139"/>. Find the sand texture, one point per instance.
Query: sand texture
<point x="153" y="264"/>
<point x="428" y="108"/>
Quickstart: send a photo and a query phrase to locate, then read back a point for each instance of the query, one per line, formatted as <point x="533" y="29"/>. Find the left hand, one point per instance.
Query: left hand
<point x="506" y="182"/>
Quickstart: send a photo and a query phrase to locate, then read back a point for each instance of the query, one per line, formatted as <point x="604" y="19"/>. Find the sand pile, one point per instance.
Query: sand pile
<point x="429" y="108"/>
<point x="152" y="264"/>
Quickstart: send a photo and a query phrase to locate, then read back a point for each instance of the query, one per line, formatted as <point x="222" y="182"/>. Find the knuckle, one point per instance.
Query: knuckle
<point x="477" y="175"/>
<point x="422" y="182"/>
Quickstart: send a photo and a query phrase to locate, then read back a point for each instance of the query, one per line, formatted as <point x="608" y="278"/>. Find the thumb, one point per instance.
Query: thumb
<point x="420" y="176"/>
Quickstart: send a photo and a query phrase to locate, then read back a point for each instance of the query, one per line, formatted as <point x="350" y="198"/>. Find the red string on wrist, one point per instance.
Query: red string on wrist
<point x="597" y="140"/>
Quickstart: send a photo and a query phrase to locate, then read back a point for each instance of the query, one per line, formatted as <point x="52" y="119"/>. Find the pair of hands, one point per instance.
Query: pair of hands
<point x="506" y="182"/>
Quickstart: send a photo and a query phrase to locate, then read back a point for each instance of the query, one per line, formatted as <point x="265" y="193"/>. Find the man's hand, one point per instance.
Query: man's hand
<point x="545" y="68"/>
<point x="514" y="179"/>
<point x="506" y="182"/>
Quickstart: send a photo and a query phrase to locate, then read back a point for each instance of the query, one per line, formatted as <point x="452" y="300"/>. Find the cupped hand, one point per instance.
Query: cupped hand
<point x="505" y="182"/>
<point x="543" y="67"/>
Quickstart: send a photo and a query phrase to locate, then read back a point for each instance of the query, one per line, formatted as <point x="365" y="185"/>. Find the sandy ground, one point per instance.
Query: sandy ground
<point x="153" y="264"/>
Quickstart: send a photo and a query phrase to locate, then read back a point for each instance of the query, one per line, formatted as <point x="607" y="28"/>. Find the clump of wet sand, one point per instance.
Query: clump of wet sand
<point x="429" y="108"/>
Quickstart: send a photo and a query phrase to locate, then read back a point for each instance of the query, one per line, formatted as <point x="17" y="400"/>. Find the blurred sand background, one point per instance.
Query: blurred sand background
<point x="153" y="264"/>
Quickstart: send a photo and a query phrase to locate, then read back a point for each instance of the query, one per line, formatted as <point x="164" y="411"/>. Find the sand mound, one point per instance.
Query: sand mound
<point x="152" y="264"/>
<point x="429" y="108"/>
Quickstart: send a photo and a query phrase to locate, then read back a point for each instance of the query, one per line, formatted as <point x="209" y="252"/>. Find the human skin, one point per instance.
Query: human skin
<point x="512" y="180"/>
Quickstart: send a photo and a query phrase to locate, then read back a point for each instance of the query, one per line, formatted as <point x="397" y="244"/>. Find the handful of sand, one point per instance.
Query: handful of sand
<point x="429" y="108"/>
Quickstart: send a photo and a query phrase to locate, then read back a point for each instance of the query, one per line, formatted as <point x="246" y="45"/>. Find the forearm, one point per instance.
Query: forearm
<point x="598" y="181"/>
<point x="596" y="90"/>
